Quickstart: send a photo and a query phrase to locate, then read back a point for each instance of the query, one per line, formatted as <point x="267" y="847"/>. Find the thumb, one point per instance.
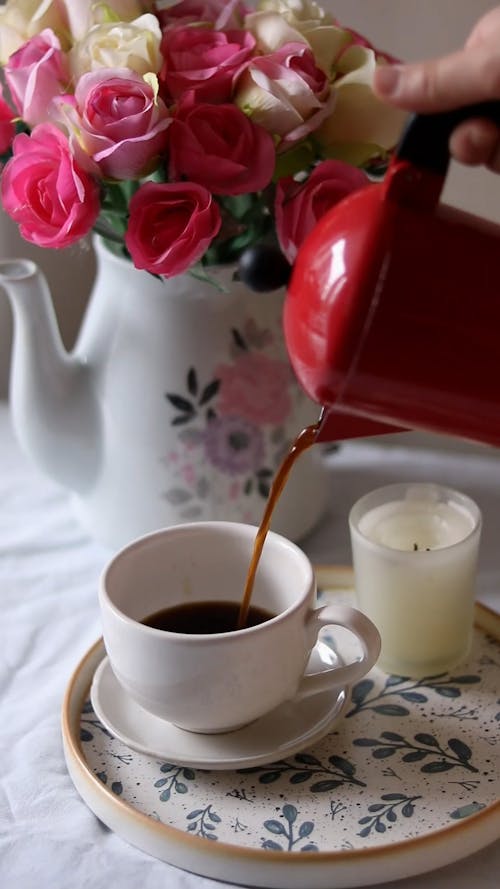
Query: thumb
<point x="461" y="78"/>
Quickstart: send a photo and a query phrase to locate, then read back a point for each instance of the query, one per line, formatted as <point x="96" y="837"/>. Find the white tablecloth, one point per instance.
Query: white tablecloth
<point x="49" y="618"/>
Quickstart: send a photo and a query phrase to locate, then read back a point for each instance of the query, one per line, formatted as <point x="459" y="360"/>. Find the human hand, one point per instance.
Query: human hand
<point x="469" y="75"/>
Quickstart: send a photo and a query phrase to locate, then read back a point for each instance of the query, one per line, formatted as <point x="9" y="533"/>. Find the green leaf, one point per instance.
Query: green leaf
<point x="177" y="401"/>
<point x="343" y="764"/>
<point x="307" y="759"/>
<point x="393" y="736"/>
<point x="434" y="767"/>
<point x="306" y="829"/>
<point x="300" y="777"/>
<point x="238" y="339"/>
<point x="383" y="752"/>
<point x="415" y="755"/>
<point x="447" y="691"/>
<point x="275" y="827"/>
<point x="361" y="690"/>
<point x="325" y="786"/>
<point x="462" y="750"/>
<point x="270" y="844"/>
<point x="194" y="814"/>
<point x="414" y="697"/>
<point x="465" y="680"/>
<point x="394" y="680"/>
<point x="263" y="488"/>
<point x="209" y="392"/>
<point x="192" y="381"/>
<point x="269" y="777"/>
<point x="428" y="740"/>
<point x="391" y="710"/>
<point x="290" y="813"/>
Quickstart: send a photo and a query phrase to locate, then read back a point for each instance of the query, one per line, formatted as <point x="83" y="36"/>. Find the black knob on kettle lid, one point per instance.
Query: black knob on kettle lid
<point x="426" y="137"/>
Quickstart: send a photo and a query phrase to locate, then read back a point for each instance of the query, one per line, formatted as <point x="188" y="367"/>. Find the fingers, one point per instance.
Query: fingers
<point x="461" y="78"/>
<point x="477" y="142"/>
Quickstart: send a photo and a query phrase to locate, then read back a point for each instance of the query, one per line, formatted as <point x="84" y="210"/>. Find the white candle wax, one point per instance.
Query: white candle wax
<point x="416" y="524"/>
<point x="415" y="562"/>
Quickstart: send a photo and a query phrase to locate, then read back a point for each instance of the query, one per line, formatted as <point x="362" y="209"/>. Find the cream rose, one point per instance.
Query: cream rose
<point x="134" y="45"/>
<point x="360" y="124"/>
<point x="277" y="22"/>
<point x="82" y="14"/>
<point x="22" y="19"/>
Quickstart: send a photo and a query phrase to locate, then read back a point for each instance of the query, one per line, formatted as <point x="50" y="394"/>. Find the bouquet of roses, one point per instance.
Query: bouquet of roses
<point x="185" y="133"/>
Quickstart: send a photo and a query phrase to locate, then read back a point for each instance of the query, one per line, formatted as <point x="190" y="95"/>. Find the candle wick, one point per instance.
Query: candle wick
<point x="415" y="547"/>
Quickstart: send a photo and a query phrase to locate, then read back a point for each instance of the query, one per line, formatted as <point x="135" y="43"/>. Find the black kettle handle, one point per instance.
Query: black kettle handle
<point x="424" y="142"/>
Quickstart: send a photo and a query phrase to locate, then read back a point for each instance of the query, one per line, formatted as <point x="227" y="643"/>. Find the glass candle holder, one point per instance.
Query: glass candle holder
<point x="415" y="549"/>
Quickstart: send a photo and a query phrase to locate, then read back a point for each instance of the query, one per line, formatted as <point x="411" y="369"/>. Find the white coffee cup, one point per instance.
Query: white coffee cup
<point x="219" y="682"/>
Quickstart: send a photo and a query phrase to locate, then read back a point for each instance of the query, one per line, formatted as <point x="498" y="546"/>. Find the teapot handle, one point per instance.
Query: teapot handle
<point x="424" y="142"/>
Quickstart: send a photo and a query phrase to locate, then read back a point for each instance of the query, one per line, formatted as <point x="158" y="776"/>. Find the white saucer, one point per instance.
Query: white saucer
<point x="293" y="726"/>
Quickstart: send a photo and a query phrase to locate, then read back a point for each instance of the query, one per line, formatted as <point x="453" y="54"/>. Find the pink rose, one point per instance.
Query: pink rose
<point x="254" y="387"/>
<point x="170" y="226"/>
<point x="286" y="93"/>
<point x="7" y="129"/>
<point x="203" y="60"/>
<point x="116" y="120"/>
<point x="218" y="12"/>
<point x="36" y="73"/>
<point x="54" y="202"/>
<point x="299" y="205"/>
<point x="220" y="148"/>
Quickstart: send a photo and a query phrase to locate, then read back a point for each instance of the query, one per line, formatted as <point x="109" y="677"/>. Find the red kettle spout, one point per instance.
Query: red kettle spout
<point x="334" y="425"/>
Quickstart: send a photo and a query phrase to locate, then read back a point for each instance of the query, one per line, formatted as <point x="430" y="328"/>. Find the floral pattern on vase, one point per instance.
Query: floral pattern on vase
<point x="231" y="427"/>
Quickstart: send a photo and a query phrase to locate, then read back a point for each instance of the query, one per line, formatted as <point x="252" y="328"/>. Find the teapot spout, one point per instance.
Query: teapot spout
<point x="55" y="415"/>
<point x="335" y="425"/>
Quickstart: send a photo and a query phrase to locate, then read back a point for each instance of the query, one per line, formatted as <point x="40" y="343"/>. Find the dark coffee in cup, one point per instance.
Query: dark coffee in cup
<point x="205" y="617"/>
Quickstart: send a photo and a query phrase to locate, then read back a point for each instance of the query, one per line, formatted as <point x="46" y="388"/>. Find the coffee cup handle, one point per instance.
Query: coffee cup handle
<point x="365" y="631"/>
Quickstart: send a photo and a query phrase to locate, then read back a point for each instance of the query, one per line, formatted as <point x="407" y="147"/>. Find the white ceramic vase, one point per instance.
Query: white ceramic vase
<point x="197" y="405"/>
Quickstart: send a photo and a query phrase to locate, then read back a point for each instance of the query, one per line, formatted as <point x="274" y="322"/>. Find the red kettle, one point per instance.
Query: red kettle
<point x="392" y="316"/>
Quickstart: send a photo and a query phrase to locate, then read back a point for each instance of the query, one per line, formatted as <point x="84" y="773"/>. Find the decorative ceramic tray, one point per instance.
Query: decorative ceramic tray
<point x="406" y="782"/>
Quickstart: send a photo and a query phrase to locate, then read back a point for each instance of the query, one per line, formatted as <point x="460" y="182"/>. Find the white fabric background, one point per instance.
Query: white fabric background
<point x="49" y="618"/>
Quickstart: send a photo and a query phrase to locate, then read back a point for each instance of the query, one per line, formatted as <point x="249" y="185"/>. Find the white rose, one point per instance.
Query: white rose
<point x="274" y="29"/>
<point x="82" y="14"/>
<point x="360" y="124"/>
<point x="134" y="45"/>
<point x="299" y="10"/>
<point x="22" y="19"/>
